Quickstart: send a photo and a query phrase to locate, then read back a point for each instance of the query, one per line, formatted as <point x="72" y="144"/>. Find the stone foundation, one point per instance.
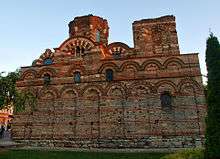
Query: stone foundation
<point x="142" y="143"/>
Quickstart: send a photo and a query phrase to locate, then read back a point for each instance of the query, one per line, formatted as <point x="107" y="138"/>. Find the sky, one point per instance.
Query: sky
<point x="28" y="27"/>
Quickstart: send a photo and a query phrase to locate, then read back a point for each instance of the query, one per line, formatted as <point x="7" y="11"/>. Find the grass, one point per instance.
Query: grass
<point x="40" y="154"/>
<point x="186" y="154"/>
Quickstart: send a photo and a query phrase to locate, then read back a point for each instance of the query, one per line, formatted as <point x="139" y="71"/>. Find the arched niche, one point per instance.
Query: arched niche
<point x="131" y="64"/>
<point x="173" y="63"/>
<point x="140" y="91"/>
<point x="75" y="68"/>
<point x="48" y="96"/>
<point x="129" y="69"/>
<point x="116" y="92"/>
<point x="166" y="86"/>
<point x="49" y="93"/>
<point x="173" y="66"/>
<point x="114" y="117"/>
<point x="151" y="68"/>
<point x="143" y="87"/>
<point x="29" y="75"/>
<point x="151" y="65"/>
<point x="47" y="70"/>
<point x="91" y="94"/>
<point x="189" y="87"/>
<point x="69" y="94"/>
<point x="88" y="114"/>
<point x="109" y="65"/>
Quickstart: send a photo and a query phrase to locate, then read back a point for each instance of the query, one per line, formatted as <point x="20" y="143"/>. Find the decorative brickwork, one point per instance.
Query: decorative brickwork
<point x="94" y="94"/>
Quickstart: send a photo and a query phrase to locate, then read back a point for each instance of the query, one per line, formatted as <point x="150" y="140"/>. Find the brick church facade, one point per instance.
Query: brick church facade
<point x="93" y="94"/>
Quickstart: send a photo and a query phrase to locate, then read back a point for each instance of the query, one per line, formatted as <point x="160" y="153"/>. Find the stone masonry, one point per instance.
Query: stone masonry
<point x="91" y="94"/>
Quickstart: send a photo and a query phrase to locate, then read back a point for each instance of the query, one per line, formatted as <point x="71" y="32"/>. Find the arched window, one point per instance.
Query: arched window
<point x="48" y="61"/>
<point x="78" y="51"/>
<point x="77" y="77"/>
<point x="82" y="50"/>
<point x="117" y="54"/>
<point x="97" y="36"/>
<point x="109" y="75"/>
<point x="47" y="78"/>
<point x="166" y="100"/>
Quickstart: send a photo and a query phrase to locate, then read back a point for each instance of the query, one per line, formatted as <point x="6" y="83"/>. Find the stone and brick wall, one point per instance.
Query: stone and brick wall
<point x="156" y="36"/>
<point x="126" y="112"/>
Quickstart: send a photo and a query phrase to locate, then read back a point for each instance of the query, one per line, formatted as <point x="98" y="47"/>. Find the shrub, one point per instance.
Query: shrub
<point x="186" y="154"/>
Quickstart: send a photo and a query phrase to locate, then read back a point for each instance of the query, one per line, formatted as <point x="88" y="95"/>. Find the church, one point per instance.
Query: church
<point x="94" y="94"/>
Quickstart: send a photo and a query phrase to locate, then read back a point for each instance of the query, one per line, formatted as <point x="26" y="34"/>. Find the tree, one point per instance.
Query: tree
<point x="213" y="98"/>
<point x="10" y="96"/>
<point x="7" y="88"/>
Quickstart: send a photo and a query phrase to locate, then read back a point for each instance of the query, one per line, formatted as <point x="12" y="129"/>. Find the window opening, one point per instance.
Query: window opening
<point x="47" y="78"/>
<point x="109" y="75"/>
<point x="97" y="36"/>
<point x="48" y="61"/>
<point x="77" y="77"/>
<point x="166" y="100"/>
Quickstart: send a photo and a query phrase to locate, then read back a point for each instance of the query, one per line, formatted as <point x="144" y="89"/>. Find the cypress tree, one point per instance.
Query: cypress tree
<point x="213" y="98"/>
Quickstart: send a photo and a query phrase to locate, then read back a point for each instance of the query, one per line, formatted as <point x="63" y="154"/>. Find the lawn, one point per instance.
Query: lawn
<point x="37" y="154"/>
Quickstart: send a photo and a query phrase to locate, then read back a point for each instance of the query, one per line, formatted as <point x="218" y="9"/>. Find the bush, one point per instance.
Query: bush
<point x="186" y="154"/>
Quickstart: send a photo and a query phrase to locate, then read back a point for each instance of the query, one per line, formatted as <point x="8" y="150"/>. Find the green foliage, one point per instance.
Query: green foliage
<point x="10" y="96"/>
<point x="213" y="98"/>
<point x="7" y="88"/>
<point x="186" y="154"/>
<point x="23" y="101"/>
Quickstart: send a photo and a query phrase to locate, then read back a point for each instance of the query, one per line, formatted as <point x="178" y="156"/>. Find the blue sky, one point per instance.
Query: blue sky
<point x="28" y="27"/>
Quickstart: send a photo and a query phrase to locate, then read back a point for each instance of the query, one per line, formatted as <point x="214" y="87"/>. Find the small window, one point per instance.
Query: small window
<point x="166" y="100"/>
<point x="82" y="50"/>
<point x="116" y="55"/>
<point x="78" y="51"/>
<point x="97" y="36"/>
<point x="77" y="77"/>
<point x="48" y="61"/>
<point x="109" y="75"/>
<point x="47" y="78"/>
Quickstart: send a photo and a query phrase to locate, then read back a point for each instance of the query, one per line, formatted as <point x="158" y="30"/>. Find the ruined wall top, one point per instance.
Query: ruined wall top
<point x="166" y="19"/>
<point x="156" y="36"/>
<point x="92" y="27"/>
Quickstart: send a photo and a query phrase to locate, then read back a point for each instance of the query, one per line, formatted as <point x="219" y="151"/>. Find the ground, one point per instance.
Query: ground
<point x="40" y="154"/>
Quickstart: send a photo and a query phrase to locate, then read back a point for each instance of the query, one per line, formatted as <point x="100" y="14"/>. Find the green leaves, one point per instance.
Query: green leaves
<point x="213" y="98"/>
<point x="24" y="101"/>
<point x="10" y="96"/>
<point x="8" y="88"/>
<point x="1" y="101"/>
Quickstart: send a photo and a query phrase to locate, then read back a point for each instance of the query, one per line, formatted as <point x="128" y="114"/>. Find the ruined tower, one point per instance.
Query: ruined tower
<point x="156" y="36"/>
<point x="92" y="27"/>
